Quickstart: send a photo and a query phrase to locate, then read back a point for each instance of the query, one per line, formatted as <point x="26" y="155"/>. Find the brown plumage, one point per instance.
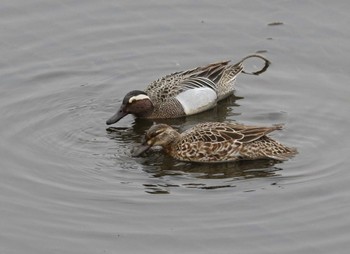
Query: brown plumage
<point x="217" y="142"/>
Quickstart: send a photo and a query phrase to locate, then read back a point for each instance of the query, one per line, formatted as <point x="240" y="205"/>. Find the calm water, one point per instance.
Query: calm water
<point x="68" y="183"/>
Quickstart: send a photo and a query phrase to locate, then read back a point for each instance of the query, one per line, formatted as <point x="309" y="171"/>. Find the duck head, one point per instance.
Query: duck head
<point x="135" y="102"/>
<point x="158" y="135"/>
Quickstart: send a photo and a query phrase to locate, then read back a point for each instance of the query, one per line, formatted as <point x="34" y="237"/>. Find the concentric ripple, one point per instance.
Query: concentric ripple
<point x="68" y="181"/>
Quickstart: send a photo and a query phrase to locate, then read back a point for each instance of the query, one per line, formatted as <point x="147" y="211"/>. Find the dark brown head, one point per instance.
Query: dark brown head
<point x="135" y="102"/>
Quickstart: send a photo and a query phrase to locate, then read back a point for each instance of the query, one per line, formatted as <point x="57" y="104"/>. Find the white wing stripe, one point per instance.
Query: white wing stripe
<point x="198" y="82"/>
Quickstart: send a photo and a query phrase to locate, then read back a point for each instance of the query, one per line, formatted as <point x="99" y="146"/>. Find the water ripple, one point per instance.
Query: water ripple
<point x="69" y="184"/>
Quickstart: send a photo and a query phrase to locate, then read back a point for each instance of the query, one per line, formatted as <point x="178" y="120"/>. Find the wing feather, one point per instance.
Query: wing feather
<point x="228" y="132"/>
<point x="173" y="84"/>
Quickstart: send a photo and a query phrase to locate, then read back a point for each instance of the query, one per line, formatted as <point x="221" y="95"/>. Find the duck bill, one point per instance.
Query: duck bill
<point x="117" y="116"/>
<point x="137" y="151"/>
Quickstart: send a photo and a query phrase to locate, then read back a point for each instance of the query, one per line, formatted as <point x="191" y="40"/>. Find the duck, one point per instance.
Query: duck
<point x="216" y="142"/>
<point x="184" y="93"/>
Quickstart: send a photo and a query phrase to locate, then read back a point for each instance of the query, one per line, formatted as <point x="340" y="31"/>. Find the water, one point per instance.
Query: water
<point x="69" y="184"/>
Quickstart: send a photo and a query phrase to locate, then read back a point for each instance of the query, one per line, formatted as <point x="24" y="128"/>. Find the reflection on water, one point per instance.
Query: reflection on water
<point x="159" y="165"/>
<point x="70" y="186"/>
<point x="199" y="175"/>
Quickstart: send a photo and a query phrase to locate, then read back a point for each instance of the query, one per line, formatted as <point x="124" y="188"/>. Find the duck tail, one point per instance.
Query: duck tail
<point x="266" y="64"/>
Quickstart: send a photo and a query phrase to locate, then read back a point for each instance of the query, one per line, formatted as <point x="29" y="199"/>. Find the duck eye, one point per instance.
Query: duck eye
<point x="154" y="134"/>
<point x="159" y="131"/>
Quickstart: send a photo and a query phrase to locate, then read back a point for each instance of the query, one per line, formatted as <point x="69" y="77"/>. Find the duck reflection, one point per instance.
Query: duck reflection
<point x="191" y="175"/>
<point x="167" y="173"/>
<point x="160" y="165"/>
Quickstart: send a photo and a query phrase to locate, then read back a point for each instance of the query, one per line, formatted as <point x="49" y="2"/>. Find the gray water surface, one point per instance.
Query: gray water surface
<point x="68" y="183"/>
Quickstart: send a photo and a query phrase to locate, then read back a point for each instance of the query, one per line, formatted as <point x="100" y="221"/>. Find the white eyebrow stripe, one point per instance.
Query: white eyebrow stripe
<point x="138" y="98"/>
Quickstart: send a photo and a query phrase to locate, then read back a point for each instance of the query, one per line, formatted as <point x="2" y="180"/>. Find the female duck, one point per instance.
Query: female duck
<point x="184" y="93"/>
<point x="216" y="142"/>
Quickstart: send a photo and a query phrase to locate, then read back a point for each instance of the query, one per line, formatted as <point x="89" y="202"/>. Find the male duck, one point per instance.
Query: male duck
<point x="184" y="93"/>
<point x="216" y="142"/>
